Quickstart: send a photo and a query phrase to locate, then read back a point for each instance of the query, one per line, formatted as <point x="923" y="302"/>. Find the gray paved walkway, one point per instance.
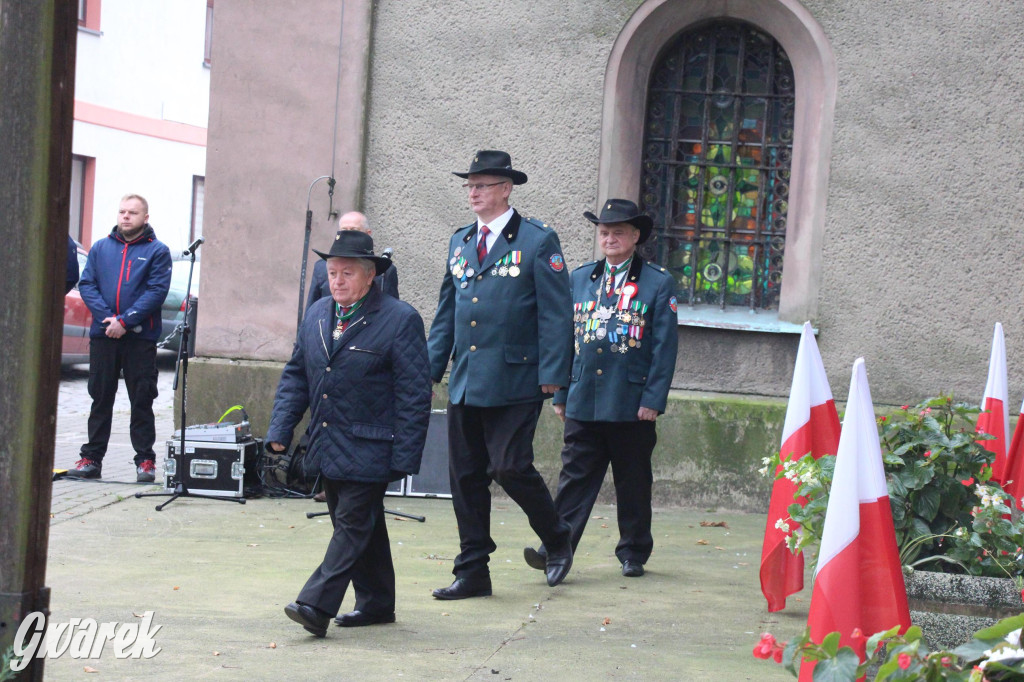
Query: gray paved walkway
<point x="217" y="575"/>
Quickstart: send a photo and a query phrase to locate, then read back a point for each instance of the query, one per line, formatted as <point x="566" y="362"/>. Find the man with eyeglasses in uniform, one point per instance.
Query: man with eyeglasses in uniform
<point x="503" y="314"/>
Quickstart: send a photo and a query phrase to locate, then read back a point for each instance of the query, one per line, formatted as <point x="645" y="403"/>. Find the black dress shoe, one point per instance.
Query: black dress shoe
<point x="312" y="619"/>
<point x="536" y="558"/>
<point x="632" y="568"/>
<point x="464" y="588"/>
<point x="558" y="564"/>
<point x="357" y="619"/>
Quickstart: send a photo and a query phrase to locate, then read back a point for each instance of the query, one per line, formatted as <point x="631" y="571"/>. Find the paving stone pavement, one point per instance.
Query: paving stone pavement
<point x="72" y="497"/>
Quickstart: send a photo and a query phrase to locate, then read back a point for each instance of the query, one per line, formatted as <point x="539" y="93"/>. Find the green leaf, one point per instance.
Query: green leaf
<point x="842" y="668"/>
<point x="896" y="487"/>
<point x="831" y="643"/>
<point x="927" y="504"/>
<point x="790" y="659"/>
<point x="1001" y="629"/>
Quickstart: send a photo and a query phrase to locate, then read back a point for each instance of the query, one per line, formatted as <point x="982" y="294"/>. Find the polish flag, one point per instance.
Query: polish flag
<point x="1014" y="471"/>
<point x="995" y="418"/>
<point x="812" y="425"/>
<point x="858" y="582"/>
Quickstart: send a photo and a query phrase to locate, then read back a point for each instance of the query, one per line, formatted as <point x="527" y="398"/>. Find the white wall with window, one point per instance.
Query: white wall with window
<point x="141" y="107"/>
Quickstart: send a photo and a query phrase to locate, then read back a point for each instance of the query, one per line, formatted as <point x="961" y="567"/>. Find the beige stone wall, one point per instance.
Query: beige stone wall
<point x="924" y="201"/>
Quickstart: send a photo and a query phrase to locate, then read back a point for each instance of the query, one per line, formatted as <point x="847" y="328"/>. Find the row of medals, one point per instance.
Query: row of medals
<point x="604" y="313"/>
<point x="496" y="271"/>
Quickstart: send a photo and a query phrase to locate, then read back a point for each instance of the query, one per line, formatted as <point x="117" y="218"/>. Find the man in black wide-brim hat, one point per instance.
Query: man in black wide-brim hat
<point x="360" y="367"/>
<point x="625" y="344"/>
<point x="503" y="316"/>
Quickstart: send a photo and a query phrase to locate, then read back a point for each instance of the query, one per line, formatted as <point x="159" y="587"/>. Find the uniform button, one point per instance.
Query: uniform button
<point x="599" y="372"/>
<point x="325" y="424"/>
<point x="325" y="396"/>
<point x="472" y="349"/>
<point x="475" y="299"/>
<point x="473" y="323"/>
<point x="328" y="369"/>
<point x="479" y="277"/>
<point x="600" y="350"/>
<point x="524" y="358"/>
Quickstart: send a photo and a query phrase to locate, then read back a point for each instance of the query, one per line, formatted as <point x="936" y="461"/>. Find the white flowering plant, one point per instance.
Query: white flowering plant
<point x="993" y="655"/>
<point x="946" y="512"/>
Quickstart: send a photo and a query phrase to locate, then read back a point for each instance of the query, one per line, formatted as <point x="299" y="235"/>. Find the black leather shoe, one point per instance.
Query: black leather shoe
<point x="86" y="468"/>
<point x="357" y="619"/>
<point x="558" y="564"/>
<point x="464" y="588"/>
<point x="632" y="568"/>
<point x="536" y="558"/>
<point x="312" y="619"/>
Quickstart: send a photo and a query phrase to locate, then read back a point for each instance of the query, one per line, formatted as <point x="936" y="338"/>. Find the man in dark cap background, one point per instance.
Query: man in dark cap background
<point x="360" y="367"/>
<point x="625" y="343"/>
<point x="503" y="314"/>
<point x="319" y="287"/>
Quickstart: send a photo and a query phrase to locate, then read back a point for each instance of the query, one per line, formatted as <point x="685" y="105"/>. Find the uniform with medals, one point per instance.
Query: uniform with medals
<point x="502" y="322"/>
<point x="624" y="344"/>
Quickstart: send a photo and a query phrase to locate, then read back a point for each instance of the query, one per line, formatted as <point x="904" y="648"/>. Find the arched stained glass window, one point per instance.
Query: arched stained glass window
<point x="716" y="164"/>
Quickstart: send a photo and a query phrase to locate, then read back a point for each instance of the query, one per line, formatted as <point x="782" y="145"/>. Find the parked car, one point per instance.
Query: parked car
<point x="78" y="319"/>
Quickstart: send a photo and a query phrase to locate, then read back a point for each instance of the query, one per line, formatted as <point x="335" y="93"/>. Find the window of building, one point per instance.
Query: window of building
<point x="198" y="194"/>
<point x="716" y="164"/>
<point x="89" y="14"/>
<point x="208" y="49"/>
<point x="83" y="174"/>
<point x="703" y="178"/>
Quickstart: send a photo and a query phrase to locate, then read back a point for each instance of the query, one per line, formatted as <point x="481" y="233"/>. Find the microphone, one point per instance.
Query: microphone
<point x="387" y="253"/>
<point x="193" y="246"/>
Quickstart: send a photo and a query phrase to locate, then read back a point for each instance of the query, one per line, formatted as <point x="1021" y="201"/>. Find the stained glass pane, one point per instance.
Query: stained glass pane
<point x="716" y="167"/>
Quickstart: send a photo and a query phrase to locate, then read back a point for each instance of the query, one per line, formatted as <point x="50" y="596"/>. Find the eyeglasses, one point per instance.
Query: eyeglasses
<point x="481" y="185"/>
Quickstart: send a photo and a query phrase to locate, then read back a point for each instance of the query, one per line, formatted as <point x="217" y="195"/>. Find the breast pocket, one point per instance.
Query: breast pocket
<point x="362" y="361"/>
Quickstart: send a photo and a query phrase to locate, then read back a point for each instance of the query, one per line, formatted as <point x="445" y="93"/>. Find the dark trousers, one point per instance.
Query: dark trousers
<point x="589" y="448"/>
<point x="107" y="359"/>
<point x="496" y="443"/>
<point x="359" y="551"/>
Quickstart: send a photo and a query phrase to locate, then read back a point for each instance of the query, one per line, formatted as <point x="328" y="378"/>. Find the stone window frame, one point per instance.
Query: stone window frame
<point x="650" y="29"/>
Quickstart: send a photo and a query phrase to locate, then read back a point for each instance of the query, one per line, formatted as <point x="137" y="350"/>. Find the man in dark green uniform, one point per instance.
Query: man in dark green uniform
<point x="625" y="355"/>
<point x="503" y="315"/>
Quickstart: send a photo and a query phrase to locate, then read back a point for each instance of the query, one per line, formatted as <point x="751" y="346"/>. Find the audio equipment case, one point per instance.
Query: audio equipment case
<point x="219" y="469"/>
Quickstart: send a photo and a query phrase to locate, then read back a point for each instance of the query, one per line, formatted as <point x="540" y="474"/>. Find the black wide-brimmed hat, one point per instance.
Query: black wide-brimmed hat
<point x="623" y="211"/>
<point x="355" y="244"/>
<point x="493" y="162"/>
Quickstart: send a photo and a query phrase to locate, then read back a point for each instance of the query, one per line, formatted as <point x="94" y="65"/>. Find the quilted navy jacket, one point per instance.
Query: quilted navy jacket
<point x="368" y="395"/>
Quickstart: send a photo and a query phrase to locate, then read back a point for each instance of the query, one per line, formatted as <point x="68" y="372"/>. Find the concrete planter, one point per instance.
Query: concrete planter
<point x="951" y="608"/>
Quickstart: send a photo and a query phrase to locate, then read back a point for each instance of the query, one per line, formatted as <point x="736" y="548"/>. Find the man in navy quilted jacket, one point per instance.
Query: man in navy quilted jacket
<point x="360" y="367"/>
<point x="126" y="279"/>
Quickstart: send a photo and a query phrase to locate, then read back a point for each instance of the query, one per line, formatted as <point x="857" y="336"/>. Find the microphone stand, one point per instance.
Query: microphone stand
<point x="305" y="246"/>
<point x="181" y="369"/>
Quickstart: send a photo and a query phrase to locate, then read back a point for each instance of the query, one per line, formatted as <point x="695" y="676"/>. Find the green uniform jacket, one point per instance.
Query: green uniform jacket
<point x="626" y="361"/>
<point x="504" y="322"/>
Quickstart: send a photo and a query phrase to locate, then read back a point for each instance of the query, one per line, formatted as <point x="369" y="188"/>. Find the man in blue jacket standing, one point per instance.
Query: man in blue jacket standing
<point x="503" y="315"/>
<point x="126" y="279"/>
<point x="625" y="344"/>
<point x="360" y="367"/>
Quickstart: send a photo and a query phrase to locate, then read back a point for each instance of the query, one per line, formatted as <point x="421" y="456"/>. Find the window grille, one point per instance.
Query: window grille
<point x="716" y="164"/>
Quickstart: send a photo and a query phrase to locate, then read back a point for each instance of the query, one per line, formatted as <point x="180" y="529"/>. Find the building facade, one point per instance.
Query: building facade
<point x="142" y="82"/>
<point x="845" y="163"/>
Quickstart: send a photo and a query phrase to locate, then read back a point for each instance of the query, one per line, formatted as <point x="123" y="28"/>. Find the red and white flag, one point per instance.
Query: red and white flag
<point x="858" y="583"/>
<point x="995" y="417"/>
<point x="812" y="425"/>
<point x="1013" y="473"/>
